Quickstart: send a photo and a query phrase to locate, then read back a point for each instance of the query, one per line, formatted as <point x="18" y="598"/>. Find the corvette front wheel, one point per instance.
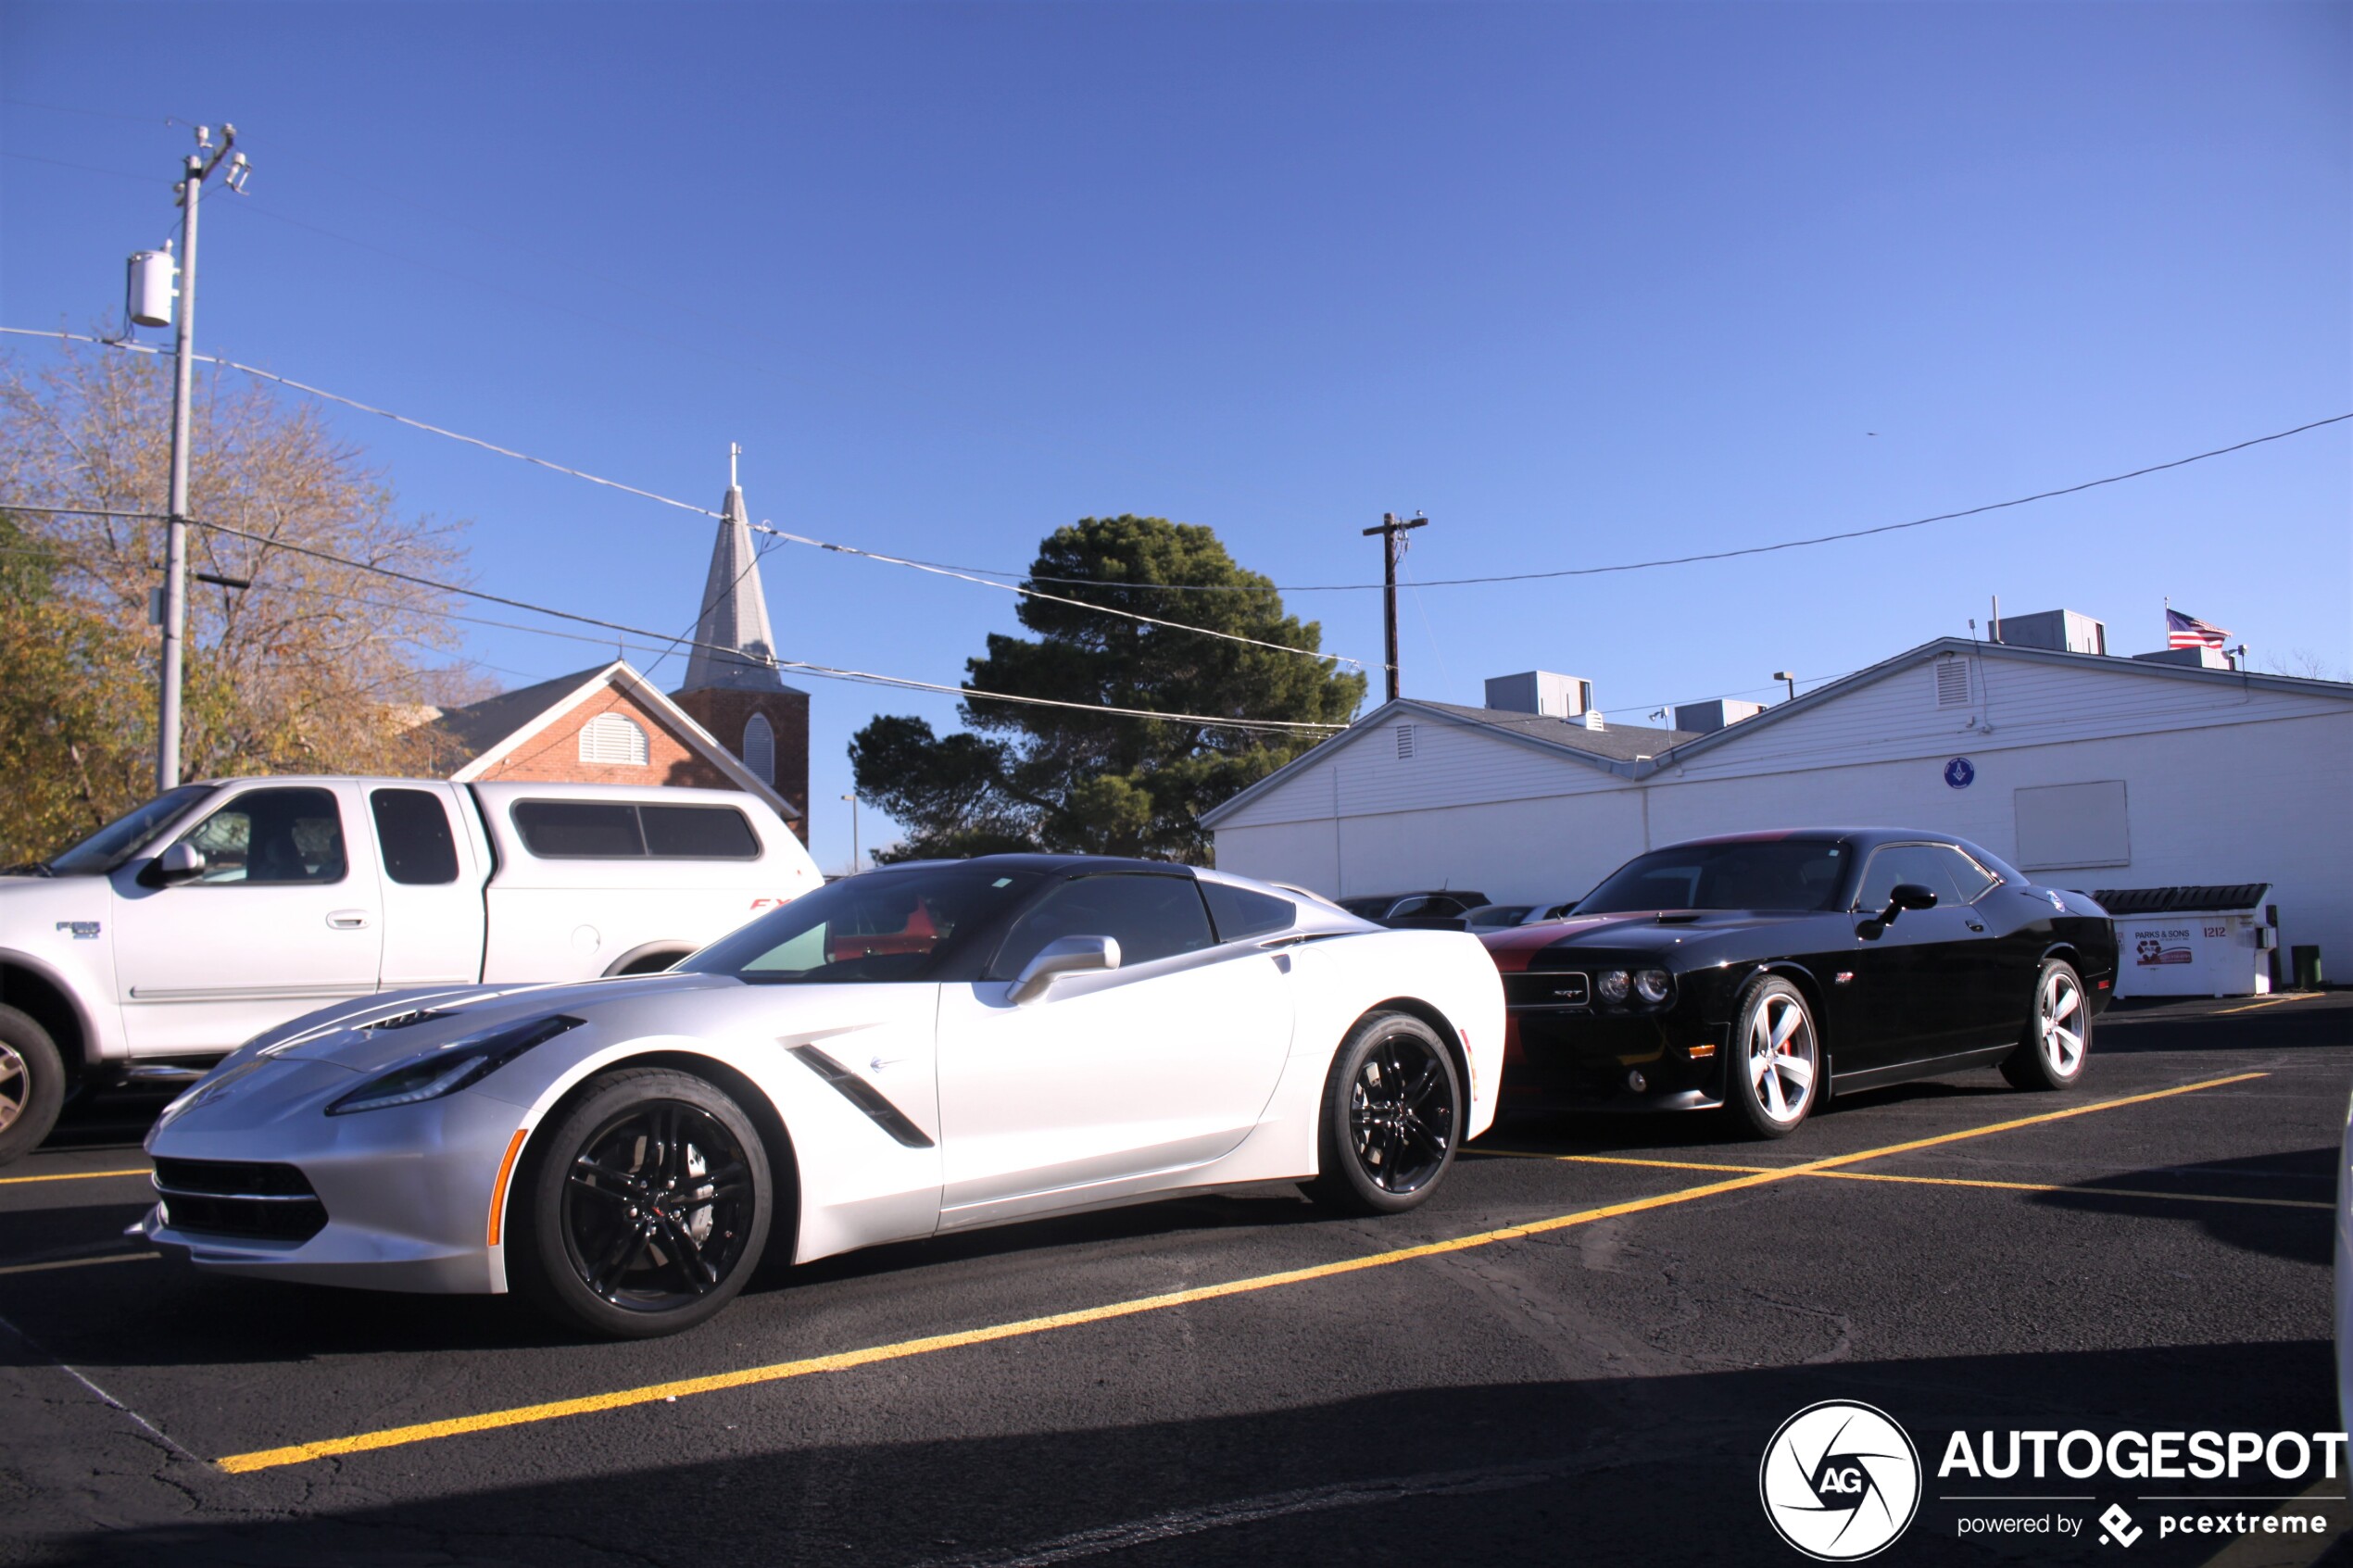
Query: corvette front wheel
<point x="643" y="1208"/>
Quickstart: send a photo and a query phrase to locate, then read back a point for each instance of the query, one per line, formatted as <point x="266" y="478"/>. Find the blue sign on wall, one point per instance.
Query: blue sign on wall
<point x="1960" y="772"/>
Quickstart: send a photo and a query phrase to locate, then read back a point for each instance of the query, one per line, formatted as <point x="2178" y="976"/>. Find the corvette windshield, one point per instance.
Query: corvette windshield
<point x="1786" y="873"/>
<point x="884" y="925"/>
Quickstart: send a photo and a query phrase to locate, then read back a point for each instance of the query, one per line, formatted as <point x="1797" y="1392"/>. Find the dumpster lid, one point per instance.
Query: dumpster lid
<point x="2183" y="900"/>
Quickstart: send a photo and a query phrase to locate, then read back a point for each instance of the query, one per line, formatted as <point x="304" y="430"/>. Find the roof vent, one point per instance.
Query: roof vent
<point x="1952" y="682"/>
<point x="1405" y="743"/>
<point x="1539" y="691"/>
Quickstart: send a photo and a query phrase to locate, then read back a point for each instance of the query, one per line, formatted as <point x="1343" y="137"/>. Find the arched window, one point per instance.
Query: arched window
<point x="613" y="738"/>
<point x="760" y="749"/>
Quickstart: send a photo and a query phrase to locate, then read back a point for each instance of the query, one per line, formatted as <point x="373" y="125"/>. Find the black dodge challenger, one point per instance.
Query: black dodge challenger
<point x="1758" y="972"/>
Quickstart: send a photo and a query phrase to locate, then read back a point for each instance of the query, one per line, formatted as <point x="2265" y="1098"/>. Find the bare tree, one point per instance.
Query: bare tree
<point x="318" y="667"/>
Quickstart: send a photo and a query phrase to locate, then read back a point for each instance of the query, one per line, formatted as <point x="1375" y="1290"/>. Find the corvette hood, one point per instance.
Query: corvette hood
<point x="385" y="1031"/>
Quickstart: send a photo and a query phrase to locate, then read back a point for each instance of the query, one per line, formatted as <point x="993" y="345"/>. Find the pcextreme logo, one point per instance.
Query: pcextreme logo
<point x="1840" y="1480"/>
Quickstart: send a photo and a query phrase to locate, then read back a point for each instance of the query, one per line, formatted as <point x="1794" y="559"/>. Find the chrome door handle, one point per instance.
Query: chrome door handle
<point x="347" y="920"/>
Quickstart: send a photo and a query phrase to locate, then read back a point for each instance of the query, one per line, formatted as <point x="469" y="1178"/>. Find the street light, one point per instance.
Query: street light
<point x="1790" y="676"/>
<point x="853" y="832"/>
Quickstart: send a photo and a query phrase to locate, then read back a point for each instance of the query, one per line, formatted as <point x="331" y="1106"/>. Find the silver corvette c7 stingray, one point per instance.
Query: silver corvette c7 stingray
<point x="917" y="1049"/>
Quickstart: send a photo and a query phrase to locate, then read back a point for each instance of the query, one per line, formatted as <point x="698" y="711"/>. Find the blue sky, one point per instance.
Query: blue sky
<point x="1586" y="284"/>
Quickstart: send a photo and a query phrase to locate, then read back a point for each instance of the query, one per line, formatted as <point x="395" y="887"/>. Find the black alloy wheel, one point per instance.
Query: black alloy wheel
<point x="648" y="1206"/>
<point x="1392" y="1117"/>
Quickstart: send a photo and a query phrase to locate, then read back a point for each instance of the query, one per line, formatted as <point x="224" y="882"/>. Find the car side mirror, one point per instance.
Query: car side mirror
<point x="1065" y="955"/>
<point x="182" y="862"/>
<point x="1908" y="895"/>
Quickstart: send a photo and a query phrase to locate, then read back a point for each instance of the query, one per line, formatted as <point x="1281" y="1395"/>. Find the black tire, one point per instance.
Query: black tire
<point x="2055" y="1044"/>
<point x="1773" y="1063"/>
<point x="1391" y="1116"/>
<point x="615" y="1232"/>
<point x="32" y="1084"/>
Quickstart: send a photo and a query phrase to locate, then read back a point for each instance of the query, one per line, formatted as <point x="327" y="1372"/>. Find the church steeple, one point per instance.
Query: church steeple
<point x="732" y="640"/>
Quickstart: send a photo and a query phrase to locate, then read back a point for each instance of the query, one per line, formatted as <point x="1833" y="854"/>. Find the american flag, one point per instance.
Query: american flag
<point x="2189" y="632"/>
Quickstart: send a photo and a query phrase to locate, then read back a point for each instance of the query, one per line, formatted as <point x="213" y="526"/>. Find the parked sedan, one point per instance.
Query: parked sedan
<point x="918" y="1050"/>
<point x="1757" y="972"/>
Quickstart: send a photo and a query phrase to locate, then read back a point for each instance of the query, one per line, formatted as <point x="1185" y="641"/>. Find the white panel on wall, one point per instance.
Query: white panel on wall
<point x="2075" y="824"/>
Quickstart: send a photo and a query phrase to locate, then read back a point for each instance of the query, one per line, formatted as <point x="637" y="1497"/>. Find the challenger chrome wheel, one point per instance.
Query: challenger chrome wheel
<point x="1778" y="1061"/>
<point x="2058" y="1038"/>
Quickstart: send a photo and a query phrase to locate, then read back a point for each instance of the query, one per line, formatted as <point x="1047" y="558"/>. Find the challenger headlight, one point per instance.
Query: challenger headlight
<point x="1653" y="985"/>
<point x="1611" y="983"/>
<point x="446" y="1069"/>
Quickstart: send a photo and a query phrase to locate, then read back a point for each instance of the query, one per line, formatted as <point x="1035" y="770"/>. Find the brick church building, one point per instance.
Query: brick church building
<point x="734" y="723"/>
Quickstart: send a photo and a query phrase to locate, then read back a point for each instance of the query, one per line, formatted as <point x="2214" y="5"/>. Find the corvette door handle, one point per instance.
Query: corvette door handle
<point x="1974" y="926"/>
<point x="347" y="920"/>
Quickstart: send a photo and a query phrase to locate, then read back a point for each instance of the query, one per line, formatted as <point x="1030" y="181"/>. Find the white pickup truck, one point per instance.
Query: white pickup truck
<point x="217" y="910"/>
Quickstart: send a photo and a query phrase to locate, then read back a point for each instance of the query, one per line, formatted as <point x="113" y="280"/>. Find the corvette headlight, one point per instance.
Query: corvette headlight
<point x="1611" y="984"/>
<point x="1653" y="985"/>
<point x="446" y="1069"/>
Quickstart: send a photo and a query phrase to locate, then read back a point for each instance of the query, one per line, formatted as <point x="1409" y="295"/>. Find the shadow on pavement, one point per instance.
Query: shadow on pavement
<point x="1630" y="1471"/>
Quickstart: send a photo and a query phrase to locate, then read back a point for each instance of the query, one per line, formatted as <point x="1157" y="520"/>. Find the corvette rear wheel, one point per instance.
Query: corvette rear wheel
<point x="1777" y="1061"/>
<point x="2056" y="1042"/>
<point x="646" y="1205"/>
<point x="1393" y="1111"/>
<point x="33" y="1082"/>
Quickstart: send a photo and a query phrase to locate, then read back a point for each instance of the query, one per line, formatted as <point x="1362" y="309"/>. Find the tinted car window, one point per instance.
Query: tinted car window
<point x="412" y="831"/>
<point x="1894" y="864"/>
<point x="1970" y="878"/>
<point x="1238" y="913"/>
<point x="1776" y="873"/>
<point x="114" y="844"/>
<point x="879" y="927"/>
<point x="272" y="836"/>
<point x="579" y="829"/>
<point x="1150" y="917"/>
<point x="697" y="832"/>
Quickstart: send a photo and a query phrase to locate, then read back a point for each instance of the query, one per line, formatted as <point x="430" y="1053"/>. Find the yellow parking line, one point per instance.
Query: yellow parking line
<point x="657" y="1393"/>
<point x="79" y="1263"/>
<point x="2269" y="1002"/>
<point x="2075" y="1191"/>
<point x="71" y="1177"/>
<point x="1922" y="1180"/>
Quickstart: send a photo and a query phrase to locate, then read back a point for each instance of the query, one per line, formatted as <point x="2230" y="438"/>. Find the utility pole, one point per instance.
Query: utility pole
<point x="175" y="553"/>
<point x="1392" y="531"/>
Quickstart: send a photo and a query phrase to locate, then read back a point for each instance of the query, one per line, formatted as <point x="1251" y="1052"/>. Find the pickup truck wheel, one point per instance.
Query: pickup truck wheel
<point x="646" y="1205"/>
<point x="32" y="1084"/>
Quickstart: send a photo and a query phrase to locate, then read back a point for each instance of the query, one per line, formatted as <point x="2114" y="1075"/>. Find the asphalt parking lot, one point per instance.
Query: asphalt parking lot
<point x="1577" y="1351"/>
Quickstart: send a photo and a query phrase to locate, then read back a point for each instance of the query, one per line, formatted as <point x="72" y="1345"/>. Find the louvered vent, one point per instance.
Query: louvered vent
<point x="1405" y="743"/>
<point x="613" y="738"/>
<point x="1952" y="682"/>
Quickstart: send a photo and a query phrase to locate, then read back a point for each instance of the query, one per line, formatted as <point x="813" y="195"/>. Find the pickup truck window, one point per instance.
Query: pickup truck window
<point x="412" y="829"/>
<point x="119" y="839"/>
<point x="879" y="927"/>
<point x="271" y="836"/>
<point x="616" y="830"/>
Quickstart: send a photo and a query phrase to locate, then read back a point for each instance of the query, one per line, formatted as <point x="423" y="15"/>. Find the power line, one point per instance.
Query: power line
<point x="763" y="526"/>
<point x="824" y="672"/>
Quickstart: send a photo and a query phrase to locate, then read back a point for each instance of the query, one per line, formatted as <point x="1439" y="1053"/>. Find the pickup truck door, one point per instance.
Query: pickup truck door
<point x="287" y="917"/>
<point x="433" y="877"/>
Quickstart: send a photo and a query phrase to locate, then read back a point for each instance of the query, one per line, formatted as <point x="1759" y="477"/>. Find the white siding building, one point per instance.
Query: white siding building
<point x="2086" y="771"/>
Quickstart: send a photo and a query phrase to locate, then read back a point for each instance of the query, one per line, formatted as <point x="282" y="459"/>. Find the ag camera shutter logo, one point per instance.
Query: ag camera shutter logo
<point x="1840" y="1481"/>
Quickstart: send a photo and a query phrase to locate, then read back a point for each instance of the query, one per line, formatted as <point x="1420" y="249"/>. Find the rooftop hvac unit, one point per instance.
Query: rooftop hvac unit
<point x="154" y="277"/>
<point x="1539" y="691"/>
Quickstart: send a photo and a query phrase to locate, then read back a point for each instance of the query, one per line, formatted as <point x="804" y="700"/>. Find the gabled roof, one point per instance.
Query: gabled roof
<point x="1619" y="749"/>
<point x="2096" y="663"/>
<point x="1636" y="753"/>
<point x="485" y="733"/>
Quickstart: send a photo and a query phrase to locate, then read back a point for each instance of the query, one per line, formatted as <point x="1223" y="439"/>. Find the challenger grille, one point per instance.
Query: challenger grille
<point x="1538" y="988"/>
<point x="239" y="1197"/>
